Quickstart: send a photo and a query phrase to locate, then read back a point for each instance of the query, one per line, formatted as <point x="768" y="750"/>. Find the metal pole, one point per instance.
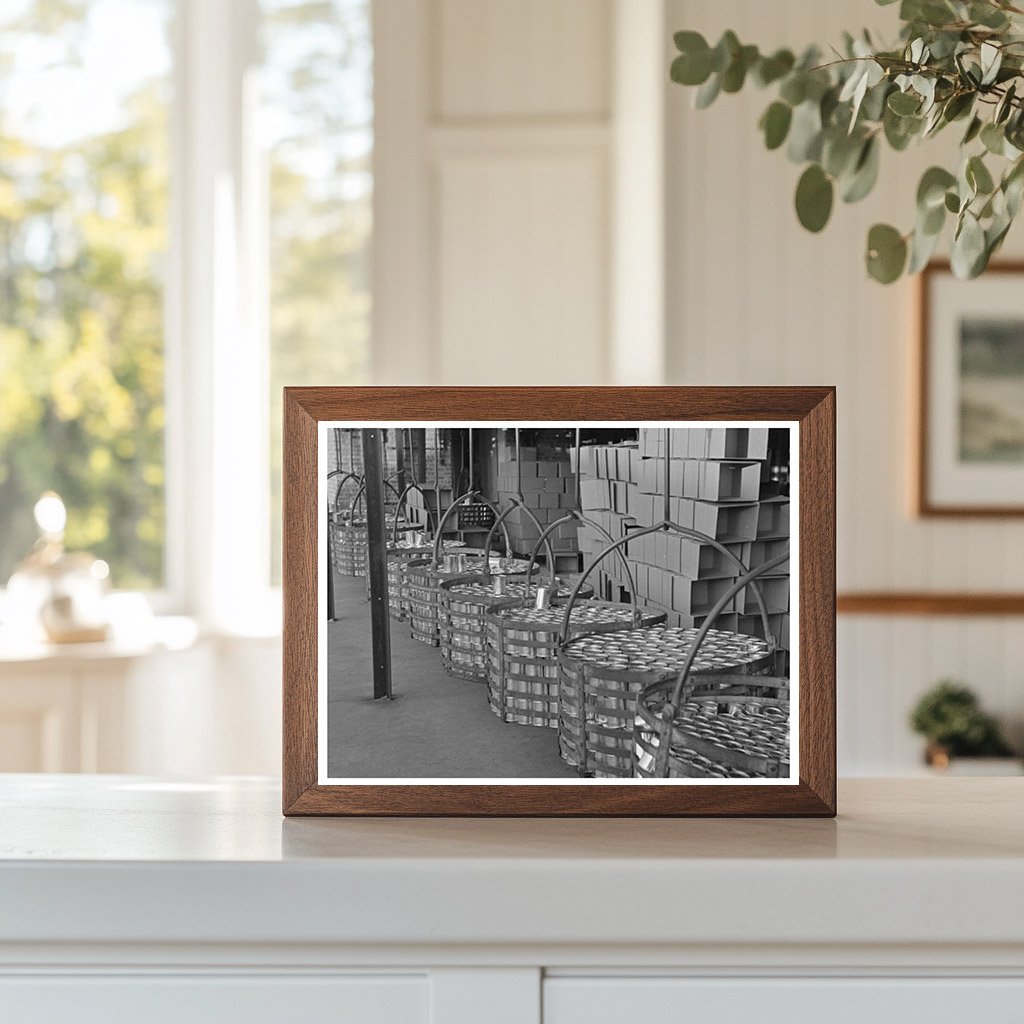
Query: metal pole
<point x="377" y="564"/>
<point x="668" y="470"/>
<point x="331" y="617"/>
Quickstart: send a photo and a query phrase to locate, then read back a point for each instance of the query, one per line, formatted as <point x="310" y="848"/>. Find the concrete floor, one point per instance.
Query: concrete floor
<point x="437" y="726"/>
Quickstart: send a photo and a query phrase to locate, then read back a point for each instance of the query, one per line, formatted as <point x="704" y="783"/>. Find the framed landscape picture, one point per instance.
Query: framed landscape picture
<point x="559" y="601"/>
<point x="970" y="446"/>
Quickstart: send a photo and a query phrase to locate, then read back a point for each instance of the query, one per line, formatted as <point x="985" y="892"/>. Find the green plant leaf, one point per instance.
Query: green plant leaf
<point x="771" y="69"/>
<point x="814" y="195"/>
<point x="865" y="173"/>
<point x="958" y="106"/>
<point x="973" y="130"/>
<point x="904" y="103"/>
<point x="839" y="151"/>
<point x="952" y="202"/>
<point x="931" y="191"/>
<point x="993" y="138"/>
<point x="978" y="176"/>
<point x="794" y="89"/>
<point x="707" y="93"/>
<point x="693" y="65"/>
<point x="886" y="253"/>
<point x="968" y="255"/>
<point x="775" y="124"/>
<point x="900" y="130"/>
<point x="985" y="14"/>
<point x="1005" y="105"/>
<point x="922" y="247"/>
<point x="991" y="57"/>
<point x="805" y="133"/>
<point x="735" y="74"/>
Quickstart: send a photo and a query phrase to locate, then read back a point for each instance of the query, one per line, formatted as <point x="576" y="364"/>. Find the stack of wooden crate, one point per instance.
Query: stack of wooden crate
<point x="718" y="483"/>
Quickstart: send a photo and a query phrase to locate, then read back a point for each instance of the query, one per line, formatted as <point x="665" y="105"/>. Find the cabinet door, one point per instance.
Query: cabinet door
<point x="783" y="1001"/>
<point x="205" y="999"/>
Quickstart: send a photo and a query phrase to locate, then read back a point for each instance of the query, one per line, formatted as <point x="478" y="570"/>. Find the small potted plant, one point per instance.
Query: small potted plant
<point x="950" y="718"/>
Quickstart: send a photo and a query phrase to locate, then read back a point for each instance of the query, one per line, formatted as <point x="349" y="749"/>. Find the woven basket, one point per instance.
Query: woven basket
<point x="522" y="653"/>
<point x="423" y="583"/>
<point x="351" y="545"/>
<point x="350" y="548"/>
<point x="399" y="557"/>
<point x="741" y="732"/>
<point x="462" y="619"/>
<point x="601" y="676"/>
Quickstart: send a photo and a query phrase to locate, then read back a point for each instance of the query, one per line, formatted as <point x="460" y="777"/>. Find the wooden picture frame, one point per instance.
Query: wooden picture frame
<point x="930" y="378"/>
<point x="810" y="409"/>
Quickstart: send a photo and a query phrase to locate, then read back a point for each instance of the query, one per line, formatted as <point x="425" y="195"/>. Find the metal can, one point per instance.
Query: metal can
<point x="497" y="585"/>
<point x="543" y="599"/>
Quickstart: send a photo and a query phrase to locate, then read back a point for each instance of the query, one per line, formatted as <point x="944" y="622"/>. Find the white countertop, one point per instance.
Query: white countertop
<point x="118" y="859"/>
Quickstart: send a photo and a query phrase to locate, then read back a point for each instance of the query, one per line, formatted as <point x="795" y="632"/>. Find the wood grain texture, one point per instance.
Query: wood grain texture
<point x="923" y="504"/>
<point x="925" y="603"/>
<point x="812" y="407"/>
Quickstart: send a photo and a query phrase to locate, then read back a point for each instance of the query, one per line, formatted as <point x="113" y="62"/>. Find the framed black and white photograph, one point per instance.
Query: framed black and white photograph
<point x="970" y="452"/>
<point x="556" y="608"/>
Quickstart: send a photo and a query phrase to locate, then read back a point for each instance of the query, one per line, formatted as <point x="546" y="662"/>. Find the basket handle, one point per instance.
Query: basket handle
<point x="568" y="517"/>
<point x="362" y="488"/>
<point x="513" y="504"/>
<point x="462" y="500"/>
<point x="346" y="475"/>
<point x="403" y="502"/>
<point x="676" y="700"/>
<point x="685" y="531"/>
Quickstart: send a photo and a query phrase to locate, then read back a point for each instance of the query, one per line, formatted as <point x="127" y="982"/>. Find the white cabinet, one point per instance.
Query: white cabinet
<point x="200" y="999"/>
<point x="132" y="899"/>
<point x="824" y="1000"/>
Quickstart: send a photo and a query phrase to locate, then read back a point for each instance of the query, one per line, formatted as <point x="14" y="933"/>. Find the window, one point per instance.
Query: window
<point x="202" y="165"/>
<point x="317" y="116"/>
<point x="83" y="236"/>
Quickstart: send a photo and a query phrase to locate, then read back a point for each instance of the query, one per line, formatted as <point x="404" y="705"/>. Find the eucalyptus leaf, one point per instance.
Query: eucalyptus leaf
<point x="904" y="103"/>
<point x="1005" y="104"/>
<point x="978" y="176"/>
<point x="886" y="253"/>
<point x="991" y="60"/>
<point x="931" y="190"/>
<point x="707" y="93"/>
<point x="987" y="15"/>
<point x="839" y="152"/>
<point x="805" y="133"/>
<point x="724" y="51"/>
<point x="922" y="247"/>
<point x="771" y="69"/>
<point x="775" y="124"/>
<point x="794" y="88"/>
<point x="968" y="247"/>
<point x="973" y="130"/>
<point x="735" y="74"/>
<point x="865" y="174"/>
<point x="993" y="138"/>
<point x="814" y="196"/>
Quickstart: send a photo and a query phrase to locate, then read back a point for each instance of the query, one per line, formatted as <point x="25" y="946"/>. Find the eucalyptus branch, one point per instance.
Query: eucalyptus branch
<point x="953" y="60"/>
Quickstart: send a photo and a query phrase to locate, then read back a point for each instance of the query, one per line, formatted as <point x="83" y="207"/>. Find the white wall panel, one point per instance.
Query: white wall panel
<point x="754" y="299"/>
<point x="522" y="288"/>
<point x="493" y="206"/>
<point x="530" y="58"/>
